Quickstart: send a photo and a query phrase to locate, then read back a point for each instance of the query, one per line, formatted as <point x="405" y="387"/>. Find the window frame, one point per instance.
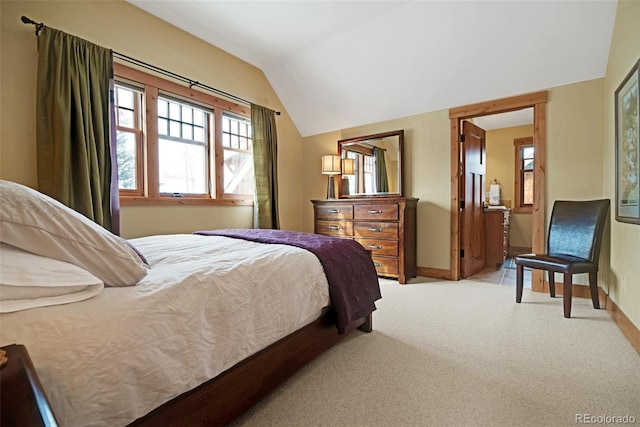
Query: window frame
<point x="139" y="120"/>
<point x="239" y="149"/>
<point x="519" y="144"/>
<point x="207" y="144"/>
<point x="361" y="154"/>
<point x="152" y="87"/>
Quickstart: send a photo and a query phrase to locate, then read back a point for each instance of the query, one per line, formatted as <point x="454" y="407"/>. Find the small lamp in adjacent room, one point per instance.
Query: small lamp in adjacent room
<point x="331" y="167"/>
<point x="348" y="168"/>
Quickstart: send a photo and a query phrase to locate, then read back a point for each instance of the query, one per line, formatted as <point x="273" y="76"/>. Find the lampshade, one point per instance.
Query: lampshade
<point x="331" y="164"/>
<point x="348" y="167"/>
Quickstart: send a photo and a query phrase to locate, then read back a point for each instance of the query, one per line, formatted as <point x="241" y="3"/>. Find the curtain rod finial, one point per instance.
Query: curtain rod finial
<point x="38" y="25"/>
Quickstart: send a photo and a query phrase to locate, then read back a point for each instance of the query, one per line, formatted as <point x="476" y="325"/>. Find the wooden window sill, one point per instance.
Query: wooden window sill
<point x="183" y="201"/>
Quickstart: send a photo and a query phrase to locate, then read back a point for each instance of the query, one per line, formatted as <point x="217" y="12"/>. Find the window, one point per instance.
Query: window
<point x="183" y="148"/>
<point x="129" y="139"/>
<point x="364" y="179"/>
<point x="177" y="145"/>
<point x="238" y="157"/>
<point x="524" y="174"/>
<point x="369" y="181"/>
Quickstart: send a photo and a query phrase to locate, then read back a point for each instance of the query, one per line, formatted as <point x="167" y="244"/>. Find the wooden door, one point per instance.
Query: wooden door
<point x="472" y="179"/>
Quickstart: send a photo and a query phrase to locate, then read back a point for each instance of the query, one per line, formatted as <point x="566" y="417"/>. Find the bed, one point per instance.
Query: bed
<point x="187" y="329"/>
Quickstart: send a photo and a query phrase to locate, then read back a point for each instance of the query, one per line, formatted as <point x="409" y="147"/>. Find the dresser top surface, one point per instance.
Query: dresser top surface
<point x="366" y="200"/>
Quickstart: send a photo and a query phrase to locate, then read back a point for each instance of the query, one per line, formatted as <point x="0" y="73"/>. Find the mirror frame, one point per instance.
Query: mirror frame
<point x="400" y="134"/>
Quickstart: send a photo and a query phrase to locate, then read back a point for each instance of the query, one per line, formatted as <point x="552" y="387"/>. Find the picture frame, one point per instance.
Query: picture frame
<point x="627" y="123"/>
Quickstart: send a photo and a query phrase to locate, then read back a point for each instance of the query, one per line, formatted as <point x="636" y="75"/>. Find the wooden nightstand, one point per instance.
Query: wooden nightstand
<point x="22" y="400"/>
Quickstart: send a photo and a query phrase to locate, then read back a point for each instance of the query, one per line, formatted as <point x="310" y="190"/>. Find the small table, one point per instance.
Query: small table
<point x="22" y="400"/>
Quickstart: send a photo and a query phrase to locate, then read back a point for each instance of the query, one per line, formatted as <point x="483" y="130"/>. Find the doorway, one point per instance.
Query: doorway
<point x="537" y="101"/>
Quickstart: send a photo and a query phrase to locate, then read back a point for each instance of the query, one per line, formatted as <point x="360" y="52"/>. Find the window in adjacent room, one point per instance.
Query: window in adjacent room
<point x="524" y="175"/>
<point x="177" y="145"/>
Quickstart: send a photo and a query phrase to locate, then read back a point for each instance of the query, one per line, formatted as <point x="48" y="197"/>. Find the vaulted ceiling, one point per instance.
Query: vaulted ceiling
<point x="339" y="64"/>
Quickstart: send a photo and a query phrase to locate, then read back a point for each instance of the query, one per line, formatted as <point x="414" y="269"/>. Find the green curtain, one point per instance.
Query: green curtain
<point x="73" y="129"/>
<point x="265" y="166"/>
<point x="382" y="183"/>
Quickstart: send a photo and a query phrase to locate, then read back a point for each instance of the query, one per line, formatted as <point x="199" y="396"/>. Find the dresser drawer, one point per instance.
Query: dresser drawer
<point x="384" y="230"/>
<point x="386" y="266"/>
<point x="334" y="212"/>
<point x="376" y="212"/>
<point x="380" y="247"/>
<point x="334" y="228"/>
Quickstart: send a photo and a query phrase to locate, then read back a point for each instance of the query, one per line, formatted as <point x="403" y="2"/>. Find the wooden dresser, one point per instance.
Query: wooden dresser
<point x="496" y="236"/>
<point x="384" y="225"/>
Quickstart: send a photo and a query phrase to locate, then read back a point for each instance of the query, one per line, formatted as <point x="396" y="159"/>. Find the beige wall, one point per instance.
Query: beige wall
<point x="621" y="270"/>
<point x="574" y="129"/>
<point x="580" y="132"/>
<point x="427" y="177"/>
<point x="574" y="142"/>
<point x="133" y="32"/>
<point x="501" y="166"/>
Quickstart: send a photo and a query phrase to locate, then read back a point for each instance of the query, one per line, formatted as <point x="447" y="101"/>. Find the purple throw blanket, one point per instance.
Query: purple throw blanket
<point x="352" y="277"/>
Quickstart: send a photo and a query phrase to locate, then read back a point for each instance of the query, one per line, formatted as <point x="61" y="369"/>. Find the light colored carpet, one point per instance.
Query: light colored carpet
<point x="464" y="354"/>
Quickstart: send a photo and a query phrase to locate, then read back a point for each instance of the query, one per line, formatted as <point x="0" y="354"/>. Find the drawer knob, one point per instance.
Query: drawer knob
<point x="334" y="211"/>
<point x="375" y="230"/>
<point x="375" y="212"/>
<point x="375" y="246"/>
<point x="333" y="227"/>
<point x="377" y="264"/>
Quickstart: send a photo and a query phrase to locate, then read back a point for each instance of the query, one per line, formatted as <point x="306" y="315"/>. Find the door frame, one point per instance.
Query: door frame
<point x="537" y="101"/>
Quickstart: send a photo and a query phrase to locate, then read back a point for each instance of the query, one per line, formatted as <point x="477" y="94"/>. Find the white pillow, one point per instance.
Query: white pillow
<point x="28" y="281"/>
<point x="37" y="223"/>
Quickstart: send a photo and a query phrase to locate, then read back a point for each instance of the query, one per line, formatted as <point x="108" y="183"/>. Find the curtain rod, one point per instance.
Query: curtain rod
<point x="191" y="83"/>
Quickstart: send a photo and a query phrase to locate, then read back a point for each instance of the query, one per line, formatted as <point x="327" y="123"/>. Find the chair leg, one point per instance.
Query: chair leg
<point x="519" y="280"/>
<point x="566" y="294"/>
<point x="552" y="283"/>
<point x="593" y="286"/>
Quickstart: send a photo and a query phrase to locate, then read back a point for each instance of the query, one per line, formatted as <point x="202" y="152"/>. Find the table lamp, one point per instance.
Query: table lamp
<point x="331" y="167"/>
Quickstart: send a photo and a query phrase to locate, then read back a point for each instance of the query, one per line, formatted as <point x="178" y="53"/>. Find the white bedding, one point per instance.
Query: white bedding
<point x="28" y="280"/>
<point x="205" y="304"/>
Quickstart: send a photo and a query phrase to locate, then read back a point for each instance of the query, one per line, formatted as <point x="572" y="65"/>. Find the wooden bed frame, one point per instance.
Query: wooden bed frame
<point x="221" y="399"/>
<point x="214" y="403"/>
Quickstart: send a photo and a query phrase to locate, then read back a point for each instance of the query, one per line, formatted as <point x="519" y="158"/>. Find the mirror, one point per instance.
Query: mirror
<point x="374" y="165"/>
